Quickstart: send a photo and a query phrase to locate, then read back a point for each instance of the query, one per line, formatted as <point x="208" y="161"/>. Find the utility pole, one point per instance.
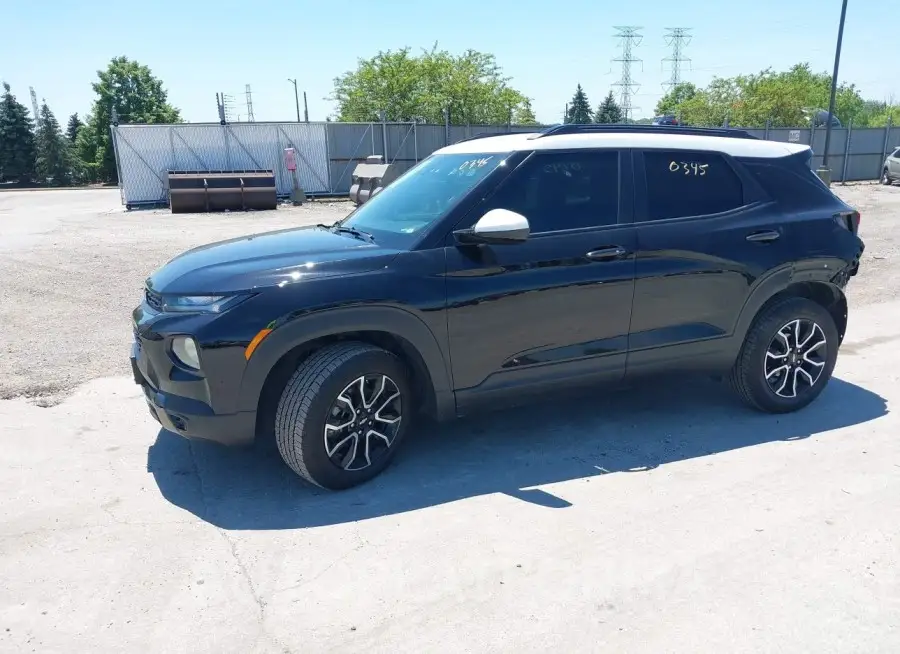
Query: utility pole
<point x="296" y="97"/>
<point x="630" y="39"/>
<point x="305" y="109"/>
<point x="676" y="38"/>
<point x="824" y="171"/>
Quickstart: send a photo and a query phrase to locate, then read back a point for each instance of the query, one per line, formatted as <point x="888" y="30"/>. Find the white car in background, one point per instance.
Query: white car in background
<point x="890" y="172"/>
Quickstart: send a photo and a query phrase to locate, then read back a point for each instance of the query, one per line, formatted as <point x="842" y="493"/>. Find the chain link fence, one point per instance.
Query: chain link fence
<point x="327" y="152"/>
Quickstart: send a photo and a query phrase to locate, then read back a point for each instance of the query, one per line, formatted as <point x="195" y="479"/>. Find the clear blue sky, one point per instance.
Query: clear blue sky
<point x="199" y="47"/>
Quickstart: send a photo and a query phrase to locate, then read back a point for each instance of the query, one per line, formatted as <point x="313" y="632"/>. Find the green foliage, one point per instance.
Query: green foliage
<point x="669" y="103"/>
<point x="524" y="114"/>
<point x="876" y="114"/>
<point x="16" y="139"/>
<point x="73" y="127"/>
<point x="579" y="111"/>
<point x="137" y="96"/>
<point x="52" y="161"/>
<point x="784" y="98"/>
<point x="470" y="86"/>
<point x="609" y="111"/>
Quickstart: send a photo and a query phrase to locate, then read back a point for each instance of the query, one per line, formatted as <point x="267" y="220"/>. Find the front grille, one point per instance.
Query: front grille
<point x="154" y="300"/>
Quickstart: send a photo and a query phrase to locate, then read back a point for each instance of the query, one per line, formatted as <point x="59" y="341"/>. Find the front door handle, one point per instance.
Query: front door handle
<point x="764" y="237"/>
<point x="606" y="254"/>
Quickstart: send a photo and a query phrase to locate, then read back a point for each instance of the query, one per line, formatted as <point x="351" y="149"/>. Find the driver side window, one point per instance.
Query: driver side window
<point x="557" y="191"/>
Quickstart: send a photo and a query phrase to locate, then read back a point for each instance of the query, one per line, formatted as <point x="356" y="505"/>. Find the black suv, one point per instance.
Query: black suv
<point x="499" y="269"/>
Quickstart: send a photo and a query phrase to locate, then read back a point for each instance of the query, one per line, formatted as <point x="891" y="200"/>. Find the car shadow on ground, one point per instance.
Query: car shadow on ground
<point x="507" y="452"/>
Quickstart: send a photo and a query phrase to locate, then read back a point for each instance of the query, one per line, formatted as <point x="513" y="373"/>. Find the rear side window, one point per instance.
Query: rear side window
<point x="683" y="183"/>
<point x="896" y="154"/>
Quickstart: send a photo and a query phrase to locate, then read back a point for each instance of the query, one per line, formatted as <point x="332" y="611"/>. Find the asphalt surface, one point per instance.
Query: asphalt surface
<point x="661" y="519"/>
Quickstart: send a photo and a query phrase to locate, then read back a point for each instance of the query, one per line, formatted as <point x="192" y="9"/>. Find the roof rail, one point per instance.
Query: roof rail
<point x="483" y="135"/>
<point x="597" y="128"/>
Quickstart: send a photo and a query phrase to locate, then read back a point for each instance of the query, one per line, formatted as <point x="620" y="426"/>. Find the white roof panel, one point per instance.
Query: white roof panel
<point x="737" y="147"/>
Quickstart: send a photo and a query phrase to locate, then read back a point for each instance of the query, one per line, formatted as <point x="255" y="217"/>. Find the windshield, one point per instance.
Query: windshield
<point x="422" y="195"/>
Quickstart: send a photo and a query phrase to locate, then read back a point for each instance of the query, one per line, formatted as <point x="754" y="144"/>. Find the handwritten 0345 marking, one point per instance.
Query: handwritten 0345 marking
<point x="688" y="168"/>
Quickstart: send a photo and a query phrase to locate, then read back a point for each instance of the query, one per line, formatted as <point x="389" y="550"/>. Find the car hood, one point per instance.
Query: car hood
<point x="272" y="258"/>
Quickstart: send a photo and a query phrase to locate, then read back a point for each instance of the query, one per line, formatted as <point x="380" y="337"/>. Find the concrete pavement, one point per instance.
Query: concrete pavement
<point x="667" y="519"/>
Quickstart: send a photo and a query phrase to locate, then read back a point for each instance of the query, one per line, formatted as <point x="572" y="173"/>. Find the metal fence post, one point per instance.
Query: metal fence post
<point x="114" y="135"/>
<point x="372" y="130"/>
<point x="884" y="148"/>
<point x="416" y="142"/>
<point x="172" y="147"/>
<point x="328" y="157"/>
<point x="227" y="147"/>
<point x="768" y="124"/>
<point x="446" y="127"/>
<point x="847" y="152"/>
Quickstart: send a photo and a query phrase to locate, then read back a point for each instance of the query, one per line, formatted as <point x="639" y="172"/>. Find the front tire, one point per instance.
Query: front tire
<point x="343" y="414"/>
<point x="787" y="358"/>
<point x="886" y="177"/>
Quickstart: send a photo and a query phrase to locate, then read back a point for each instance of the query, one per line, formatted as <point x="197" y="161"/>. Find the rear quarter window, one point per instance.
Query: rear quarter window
<point x="790" y="182"/>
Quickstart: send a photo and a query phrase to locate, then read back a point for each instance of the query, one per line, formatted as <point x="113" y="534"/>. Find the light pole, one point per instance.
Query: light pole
<point x="296" y="97"/>
<point x="824" y="171"/>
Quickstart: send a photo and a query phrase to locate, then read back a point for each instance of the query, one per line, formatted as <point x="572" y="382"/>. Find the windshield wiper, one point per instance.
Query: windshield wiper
<point x="358" y="233"/>
<point x="338" y="228"/>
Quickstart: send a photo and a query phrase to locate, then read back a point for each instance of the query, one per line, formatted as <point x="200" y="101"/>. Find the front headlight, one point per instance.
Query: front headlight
<point x="185" y="350"/>
<point x="200" y="303"/>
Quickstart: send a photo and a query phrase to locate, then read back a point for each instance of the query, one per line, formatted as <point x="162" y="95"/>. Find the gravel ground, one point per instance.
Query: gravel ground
<point x="72" y="265"/>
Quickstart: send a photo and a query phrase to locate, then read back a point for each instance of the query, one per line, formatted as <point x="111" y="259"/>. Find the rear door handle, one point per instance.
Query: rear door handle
<point x="764" y="237"/>
<point x="607" y="254"/>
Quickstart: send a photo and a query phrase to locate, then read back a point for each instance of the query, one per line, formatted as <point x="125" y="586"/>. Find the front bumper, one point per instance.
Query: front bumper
<point x="189" y="417"/>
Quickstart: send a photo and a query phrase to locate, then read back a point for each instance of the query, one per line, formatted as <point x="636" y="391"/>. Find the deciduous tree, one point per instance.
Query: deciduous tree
<point x="406" y="87"/>
<point x="137" y="97"/>
<point x="669" y="103"/>
<point x="783" y="98"/>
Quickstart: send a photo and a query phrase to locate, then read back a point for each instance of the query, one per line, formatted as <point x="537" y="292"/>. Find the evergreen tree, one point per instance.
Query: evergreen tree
<point x="73" y="128"/>
<point x="52" y="150"/>
<point x="16" y="139"/>
<point x="609" y="112"/>
<point x="579" y="108"/>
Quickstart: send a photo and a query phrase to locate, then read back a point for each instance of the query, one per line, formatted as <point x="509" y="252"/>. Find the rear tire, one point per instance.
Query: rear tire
<point x="787" y="358"/>
<point x="343" y="414"/>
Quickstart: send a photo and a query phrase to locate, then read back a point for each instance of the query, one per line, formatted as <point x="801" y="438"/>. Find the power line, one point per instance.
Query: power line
<point x="676" y="38"/>
<point x="250" y="117"/>
<point x="630" y="39"/>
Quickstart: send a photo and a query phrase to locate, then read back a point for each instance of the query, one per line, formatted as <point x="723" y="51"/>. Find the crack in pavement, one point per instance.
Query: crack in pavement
<point x="232" y="546"/>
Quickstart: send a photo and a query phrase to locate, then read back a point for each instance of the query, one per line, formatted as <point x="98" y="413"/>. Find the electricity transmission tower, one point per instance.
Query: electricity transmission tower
<point x="630" y="39"/>
<point x="250" y="117"/>
<point x="677" y="38"/>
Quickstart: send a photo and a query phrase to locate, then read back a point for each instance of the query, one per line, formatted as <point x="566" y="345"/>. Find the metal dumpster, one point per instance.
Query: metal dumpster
<point x="370" y="177"/>
<point x="198" y="191"/>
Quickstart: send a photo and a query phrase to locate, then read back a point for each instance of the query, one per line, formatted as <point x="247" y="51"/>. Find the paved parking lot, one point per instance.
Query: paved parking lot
<point x="661" y="519"/>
